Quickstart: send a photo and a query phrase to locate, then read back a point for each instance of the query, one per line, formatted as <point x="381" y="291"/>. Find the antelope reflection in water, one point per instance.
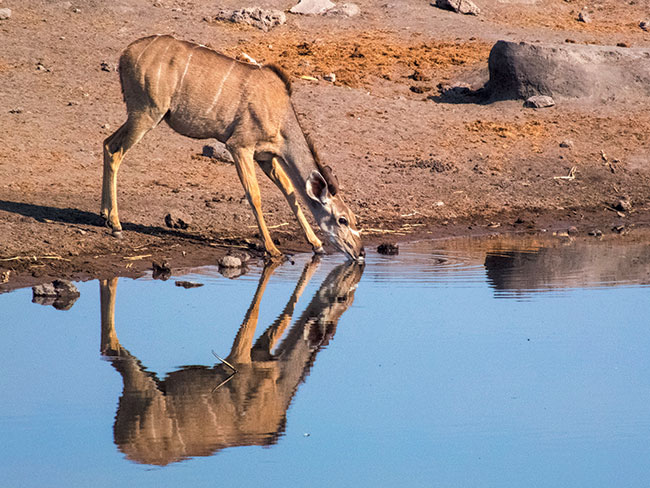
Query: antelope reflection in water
<point x="199" y="410"/>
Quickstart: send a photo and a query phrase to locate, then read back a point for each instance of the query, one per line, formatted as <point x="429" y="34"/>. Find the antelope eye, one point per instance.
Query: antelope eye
<point x="343" y="221"/>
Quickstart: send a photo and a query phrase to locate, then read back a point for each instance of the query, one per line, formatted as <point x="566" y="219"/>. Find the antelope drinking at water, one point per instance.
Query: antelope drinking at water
<point x="199" y="410"/>
<point x="203" y="94"/>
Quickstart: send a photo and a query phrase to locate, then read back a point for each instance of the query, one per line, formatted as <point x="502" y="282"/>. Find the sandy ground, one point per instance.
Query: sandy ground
<point x="410" y="165"/>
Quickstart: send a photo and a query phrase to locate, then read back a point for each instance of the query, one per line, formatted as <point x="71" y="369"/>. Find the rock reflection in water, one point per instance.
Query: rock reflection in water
<point x="587" y="265"/>
<point x="199" y="410"/>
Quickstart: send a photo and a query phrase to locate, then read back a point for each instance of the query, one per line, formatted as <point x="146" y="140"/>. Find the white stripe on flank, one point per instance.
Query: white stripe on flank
<point x="160" y="67"/>
<point x="187" y="65"/>
<point x="148" y="46"/>
<point x="216" y="97"/>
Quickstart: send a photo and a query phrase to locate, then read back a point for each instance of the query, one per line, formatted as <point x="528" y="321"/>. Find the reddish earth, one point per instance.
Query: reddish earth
<point x="410" y="165"/>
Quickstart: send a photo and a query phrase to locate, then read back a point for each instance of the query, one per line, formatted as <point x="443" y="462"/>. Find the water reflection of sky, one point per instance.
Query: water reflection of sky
<point x="427" y="382"/>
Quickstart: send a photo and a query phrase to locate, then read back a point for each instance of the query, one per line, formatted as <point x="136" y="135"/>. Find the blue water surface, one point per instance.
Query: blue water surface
<point x="450" y="366"/>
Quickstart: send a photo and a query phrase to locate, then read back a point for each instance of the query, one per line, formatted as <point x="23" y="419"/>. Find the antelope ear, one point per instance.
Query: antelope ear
<point x="317" y="188"/>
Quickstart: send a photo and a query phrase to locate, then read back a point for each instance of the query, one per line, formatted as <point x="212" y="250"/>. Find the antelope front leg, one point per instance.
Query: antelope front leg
<point x="245" y="165"/>
<point x="275" y="172"/>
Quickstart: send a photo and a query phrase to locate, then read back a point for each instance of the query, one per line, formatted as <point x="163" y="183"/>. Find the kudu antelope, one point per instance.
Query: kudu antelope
<point x="199" y="410"/>
<point x="203" y="94"/>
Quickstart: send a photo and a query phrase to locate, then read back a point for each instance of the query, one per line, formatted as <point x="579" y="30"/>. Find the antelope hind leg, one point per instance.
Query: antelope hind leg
<point x="115" y="147"/>
<point x="278" y="176"/>
<point x="245" y="165"/>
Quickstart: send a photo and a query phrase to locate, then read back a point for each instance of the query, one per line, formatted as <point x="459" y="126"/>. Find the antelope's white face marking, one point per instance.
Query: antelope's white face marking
<point x="335" y="218"/>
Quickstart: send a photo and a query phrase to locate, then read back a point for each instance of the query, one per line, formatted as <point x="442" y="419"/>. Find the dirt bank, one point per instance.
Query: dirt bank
<point x="410" y="164"/>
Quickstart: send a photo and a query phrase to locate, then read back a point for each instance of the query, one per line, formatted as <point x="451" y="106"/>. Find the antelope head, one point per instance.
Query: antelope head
<point x="333" y="216"/>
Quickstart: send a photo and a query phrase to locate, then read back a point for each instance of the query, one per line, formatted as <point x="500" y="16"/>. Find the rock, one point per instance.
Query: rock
<point x="230" y="262"/>
<point x="596" y="233"/>
<point x="566" y="143"/>
<point x="232" y="273"/>
<point x="623" y="205"/>
<point x="521" y="70"/>
<point x="418" y="76"/>
<point x="45" y="290"/>
<point x="572" y="231"/>
<point x="645" y="25"/>
<point x="388" y="249"/>
<point x="583" y="16"/>
<point x="539" y="101"/>
<point x="255" y="16"/>
<point x="218" y="152"/>
<point x="161" y="271"/>
<point x="312" y="7"/>
<point x="345" y="10"/>
<point x="188" y="284"/>
<point x="330" y="77"/>
<point x="61" y="294"/>
<point x="5" y="13"/>
<point x="178" y="220"/>
<point x="466" y="7"/>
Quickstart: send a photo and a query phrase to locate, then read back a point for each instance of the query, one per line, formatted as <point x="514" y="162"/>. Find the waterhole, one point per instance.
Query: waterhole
<point x="495" y="362"/>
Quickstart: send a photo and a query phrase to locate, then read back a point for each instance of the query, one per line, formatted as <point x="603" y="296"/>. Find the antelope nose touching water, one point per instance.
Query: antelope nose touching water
<point x="203" y="94"/>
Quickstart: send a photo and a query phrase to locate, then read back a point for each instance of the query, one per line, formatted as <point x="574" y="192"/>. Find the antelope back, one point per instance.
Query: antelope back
<point x="202" y="93"/>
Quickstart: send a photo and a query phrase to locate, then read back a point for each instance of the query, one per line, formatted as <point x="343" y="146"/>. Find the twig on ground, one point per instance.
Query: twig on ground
<point x="570" y="176"/>
<point x="136" y="258"/>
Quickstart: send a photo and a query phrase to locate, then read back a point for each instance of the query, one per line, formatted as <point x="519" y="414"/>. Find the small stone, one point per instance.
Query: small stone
<point x="619" y="229"/>
<point x="539" y="101"/>
<point x="105" y="66"/>
<point x="312" y="7"/>
<point x="566" y="143"/>
<point x="583" y="16"/>
<point x="178" y="220"/>
<point x="65" y="287"/>
<point x="230" y="262"/>
<point x="572" y="231"/>
<point x="465" y="7"/>
<point x="255" y="16"/>
<point x="76" y="10"/>
<point x="596" y="233"/>
<point x="188" y="284"/>
<point x="5" y="13"/>
<point x="388" y="249"/>
<point x="331" y="77"/>
<point x="106" y="126"/>
<point x="345" y="10"/>
<point x="645" y="25"/>
<point x="61" y="294"/>
<point x="623" y="205"/>
<point x="161" y="271"/>
<point x="45" y="290"/>
<point x="216" y="152"/>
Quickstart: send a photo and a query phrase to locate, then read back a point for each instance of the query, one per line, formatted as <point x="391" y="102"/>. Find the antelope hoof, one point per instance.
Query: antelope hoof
<point x="274" y="255"/>
<point x="319" y="250"/>
<point x="117" y="234"/>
